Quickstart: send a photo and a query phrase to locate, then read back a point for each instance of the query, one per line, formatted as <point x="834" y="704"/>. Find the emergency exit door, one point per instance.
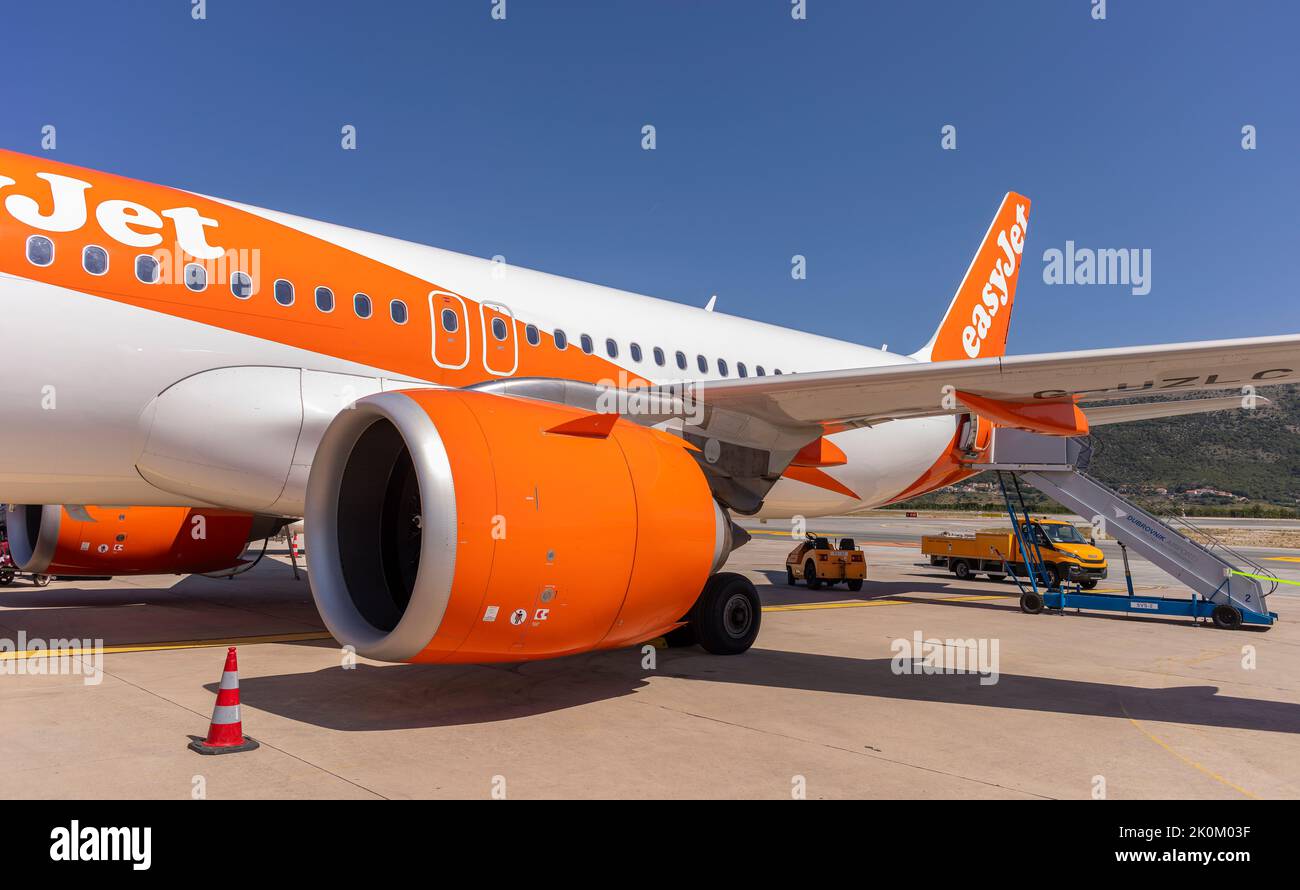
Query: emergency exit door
<point x="500" y="345"/>
<point x="451" y="343"/>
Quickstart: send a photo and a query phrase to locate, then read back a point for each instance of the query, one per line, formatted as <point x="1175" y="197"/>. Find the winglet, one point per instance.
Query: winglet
<point x="589" y="426"/>
<point x="979" y="315"/>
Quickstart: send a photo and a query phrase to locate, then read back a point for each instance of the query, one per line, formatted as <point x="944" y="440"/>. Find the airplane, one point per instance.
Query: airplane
<point x="493" y="464"/>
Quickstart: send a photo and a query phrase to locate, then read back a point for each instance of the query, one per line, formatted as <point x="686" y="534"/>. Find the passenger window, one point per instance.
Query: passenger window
<point x="722" y="367"/>
<point x="40" y="250"/>
<point x="196" y="277"/>
<point x="702" y="363"/>
<point x="635" y="349"/>
<point x="362" y="306"/>
<point x="397" y="312"/>
<point x="533" y="336"/>
<point x="450" y="321"/>
<point x="146" y="268"/>
<point x="681" y="360"/>
<point x="499" y="328"/>
<point x="283" y="292"/>
<point x="611" y="348"/>
<point x="561" y="339"/>
<point x="741" y="369"/>
<point x="241" y="285"/>
<point x="587" y="345"/>
<point x="659" y="357"/>
<point x="94" y="260"/>
<point x="777" y="371"/>
<point x="758" y="369"/>
<point x="324" y="299"/>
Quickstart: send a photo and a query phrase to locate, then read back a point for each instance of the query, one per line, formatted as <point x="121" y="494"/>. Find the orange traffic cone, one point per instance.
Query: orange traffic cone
<point x="226" y="732"/>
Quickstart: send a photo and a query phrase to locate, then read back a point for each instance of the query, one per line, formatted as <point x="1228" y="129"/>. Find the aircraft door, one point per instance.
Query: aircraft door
<point x="451" y="345"/>
<point x="500" y="344"/>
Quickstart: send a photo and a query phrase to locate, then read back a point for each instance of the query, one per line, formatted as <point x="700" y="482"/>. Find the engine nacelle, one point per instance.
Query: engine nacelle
<point x="460" y="526"/>
<point x="92" y="541"/>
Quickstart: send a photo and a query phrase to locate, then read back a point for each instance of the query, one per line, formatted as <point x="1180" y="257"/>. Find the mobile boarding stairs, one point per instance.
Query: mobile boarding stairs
<point x="1227" y="587"/>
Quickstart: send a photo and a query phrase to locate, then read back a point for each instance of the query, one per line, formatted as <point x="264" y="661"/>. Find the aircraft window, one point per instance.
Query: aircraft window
<point x="196" y="277"/>
<point x="283" y="292"/>
<point x="722" y="367"/>
<point x="397" y="312"/>
<point x="681" y="360"/>
<point x="499" y="328"/>
<point x="777" y="371"/>
<point x="324" y="299"/>
<point x="635" y="349"/>
<point x="361" y="305"/>
<point x="146" y="268"/>
<point x="241" y="285"/>
<point x="94" y="260"/>
<point x="533" y="336"/>
<point x="587" y="346"/>
<point x="561" y="339"/>
<point x="758" y="369"/>
<point x="40" y="250"/>
<point x="702" y="363"/>
<point x="741" y="369"/>
<point x="450" y="321"/>
<point x="612" y="348"/>
<point x="659" y="357"/>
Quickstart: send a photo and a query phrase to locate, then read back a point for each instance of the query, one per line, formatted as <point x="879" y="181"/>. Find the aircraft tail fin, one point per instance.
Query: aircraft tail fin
<point x="979" y="316"/>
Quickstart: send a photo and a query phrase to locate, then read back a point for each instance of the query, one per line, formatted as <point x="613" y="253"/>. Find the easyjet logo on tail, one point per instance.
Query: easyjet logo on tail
<point x="979" y="317"/>
<point x="126" y="222"/>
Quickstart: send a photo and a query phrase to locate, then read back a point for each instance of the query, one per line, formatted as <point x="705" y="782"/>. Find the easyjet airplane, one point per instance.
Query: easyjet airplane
<point x="493" y="464"/>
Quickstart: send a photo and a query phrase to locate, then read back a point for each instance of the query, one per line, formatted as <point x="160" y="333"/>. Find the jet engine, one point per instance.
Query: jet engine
<point x="93" y="541"/>
<point x="461" y="526"/>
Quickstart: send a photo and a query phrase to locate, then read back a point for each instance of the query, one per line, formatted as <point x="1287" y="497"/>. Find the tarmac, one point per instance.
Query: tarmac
<point x="832" y="702"/>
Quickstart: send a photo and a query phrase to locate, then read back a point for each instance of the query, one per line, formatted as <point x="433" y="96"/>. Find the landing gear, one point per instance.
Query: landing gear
<point x="42" y="580"/>
<point x="726" y="617"/>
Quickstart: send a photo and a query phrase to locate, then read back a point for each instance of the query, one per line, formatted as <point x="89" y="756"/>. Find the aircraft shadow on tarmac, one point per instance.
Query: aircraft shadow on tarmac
<point x="371" y="698"/>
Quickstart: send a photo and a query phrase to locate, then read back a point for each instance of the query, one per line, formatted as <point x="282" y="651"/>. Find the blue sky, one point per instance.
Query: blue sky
<point x="775" y="137"/>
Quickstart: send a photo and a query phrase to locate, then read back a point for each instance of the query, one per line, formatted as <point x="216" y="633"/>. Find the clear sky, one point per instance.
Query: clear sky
<point x="775" y="137"/>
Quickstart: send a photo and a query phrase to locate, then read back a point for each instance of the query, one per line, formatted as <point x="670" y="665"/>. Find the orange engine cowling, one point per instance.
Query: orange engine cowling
<point x="459" y="526"/>
<point x="92" y="541"/>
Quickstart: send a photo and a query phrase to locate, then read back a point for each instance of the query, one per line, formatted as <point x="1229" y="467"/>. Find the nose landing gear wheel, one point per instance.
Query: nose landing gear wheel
<point x="727" y="615"/>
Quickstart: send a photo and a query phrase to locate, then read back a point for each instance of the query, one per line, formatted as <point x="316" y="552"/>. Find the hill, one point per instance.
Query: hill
<point x="1244" y="463"/>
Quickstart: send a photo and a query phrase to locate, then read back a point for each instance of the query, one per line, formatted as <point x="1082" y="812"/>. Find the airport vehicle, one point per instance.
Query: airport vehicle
<point x="817" y="562"/>
<point x="413" y="404"/>
<point x="1066" y="555"/>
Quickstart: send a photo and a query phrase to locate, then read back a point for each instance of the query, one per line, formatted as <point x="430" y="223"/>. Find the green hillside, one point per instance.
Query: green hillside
<point x="1226" y="463"/>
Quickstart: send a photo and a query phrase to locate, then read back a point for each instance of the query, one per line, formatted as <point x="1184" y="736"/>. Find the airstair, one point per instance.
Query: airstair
<point x="1226" y="586"/>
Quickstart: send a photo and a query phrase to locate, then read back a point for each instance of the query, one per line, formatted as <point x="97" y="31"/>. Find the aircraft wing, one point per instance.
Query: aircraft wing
<point x="873" y="395"/>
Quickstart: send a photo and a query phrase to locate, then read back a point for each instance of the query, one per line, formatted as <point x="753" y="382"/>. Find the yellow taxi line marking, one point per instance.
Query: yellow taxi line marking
<point x="808" y="607"/>
<point x="1283" y="558"/>
<point x="177" y="644"/>
<point x="1192" y="763"/>
<point x="758" y="531"/>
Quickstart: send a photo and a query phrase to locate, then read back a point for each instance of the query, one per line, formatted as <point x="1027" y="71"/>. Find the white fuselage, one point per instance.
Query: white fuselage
<point x="80" y="372"/>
